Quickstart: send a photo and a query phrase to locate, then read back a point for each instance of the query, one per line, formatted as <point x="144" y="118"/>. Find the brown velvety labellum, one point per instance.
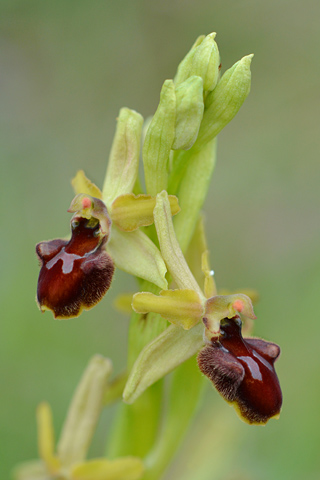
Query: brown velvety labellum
<point x="74" y="274"/>
<point x="242" y="370"/>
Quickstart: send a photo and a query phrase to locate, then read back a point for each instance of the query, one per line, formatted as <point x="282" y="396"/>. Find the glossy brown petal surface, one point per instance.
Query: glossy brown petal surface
<point x="74" y="274"/>
<point x="242" y="370"/>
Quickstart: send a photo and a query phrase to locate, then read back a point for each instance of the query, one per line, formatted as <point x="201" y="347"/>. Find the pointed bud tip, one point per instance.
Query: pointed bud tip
<point x="247" y="59"/>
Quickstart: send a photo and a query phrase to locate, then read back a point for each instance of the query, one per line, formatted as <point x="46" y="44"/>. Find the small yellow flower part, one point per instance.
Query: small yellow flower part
<point x="180" y="307"/>
<point x="81" y="184"/>
<point x="126" y="468"/>
<point x="130" y="211"/>
<point x="46" y="438"/>
<point x="68" y="463"/>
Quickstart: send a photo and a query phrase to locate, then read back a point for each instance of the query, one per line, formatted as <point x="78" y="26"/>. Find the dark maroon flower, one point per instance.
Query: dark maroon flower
<point x="74" y="274"/>
<point x="242" y="370"/>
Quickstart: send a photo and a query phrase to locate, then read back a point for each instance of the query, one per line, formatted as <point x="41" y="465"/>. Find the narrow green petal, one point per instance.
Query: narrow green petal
<point x="136" y="254"/>
<point x="81" y="184"/>
<point x="126" y="468"/>
<point x="161" y="356"/>
<point x="123" y="163"/>
<point x="84" y="411"/>
<point x="190" y="108"/>
<point x="180" y="307"/>
<point x="170" y="247"/>
<point x="159" y="139"/>
<point x="130" y="212"/>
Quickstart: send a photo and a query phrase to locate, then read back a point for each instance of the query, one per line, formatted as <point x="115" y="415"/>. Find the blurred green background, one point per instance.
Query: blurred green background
<point x="66" y="69"/>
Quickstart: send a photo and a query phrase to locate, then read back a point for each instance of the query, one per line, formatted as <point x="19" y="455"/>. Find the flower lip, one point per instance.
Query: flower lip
<point x="242" y="370"/>
<point x="74" y="274"/>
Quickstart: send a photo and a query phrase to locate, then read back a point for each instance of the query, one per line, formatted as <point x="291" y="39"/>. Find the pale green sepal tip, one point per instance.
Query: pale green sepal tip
<point x="136" y="254"/>
<point x="183" y="71"/>
<point x="161" y="356"/>
<point x="190" y="108"/>
<point x="206" y="61"/>
<point x="224" y="102"/>
<point x="123" y="163"/>
<point x="159" y="139"/>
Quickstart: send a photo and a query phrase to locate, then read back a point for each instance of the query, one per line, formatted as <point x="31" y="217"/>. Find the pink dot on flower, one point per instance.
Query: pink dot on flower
<point x="86" y="202"/>
<point x="238" y="305"/>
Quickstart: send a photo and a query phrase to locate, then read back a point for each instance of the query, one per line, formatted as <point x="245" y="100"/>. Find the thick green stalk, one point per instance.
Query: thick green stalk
<point x="180" y="410"/>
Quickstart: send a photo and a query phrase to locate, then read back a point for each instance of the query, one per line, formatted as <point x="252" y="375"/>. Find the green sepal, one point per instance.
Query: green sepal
<point x="136" y="254"/>
<point x="159" y="139"/>
<point x="224" y="102"/>
<point x="170" y="248"/>
<point x="123" y="163"/>
<point x="171" y="348"/>
<point x="189" y="112"/>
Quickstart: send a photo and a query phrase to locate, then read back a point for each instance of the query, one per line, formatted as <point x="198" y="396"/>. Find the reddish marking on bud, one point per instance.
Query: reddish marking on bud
<point x="86" y="202"/>
<point x="242" y="370"/>
<point x="74" y="274"/>
<point x="238" y="305"/>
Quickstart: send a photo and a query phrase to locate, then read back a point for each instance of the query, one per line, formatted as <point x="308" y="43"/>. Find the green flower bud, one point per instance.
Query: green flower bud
<point x="206" y="61"/>
<point x="183" y="71"/>
<point x="190" y="108"/>
<point x="124" y="156"/>
<point x="203" y="60"/>
<point x="225" y="100"/>
<point x="159" y="139"/>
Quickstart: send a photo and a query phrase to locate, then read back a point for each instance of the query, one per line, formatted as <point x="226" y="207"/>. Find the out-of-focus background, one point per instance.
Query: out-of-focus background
<point x="66" y="69"/>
